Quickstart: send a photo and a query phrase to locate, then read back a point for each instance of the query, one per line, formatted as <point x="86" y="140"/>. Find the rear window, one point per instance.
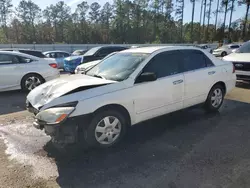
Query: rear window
<point x="34" y="53"/>
<point x="234" y="46"/>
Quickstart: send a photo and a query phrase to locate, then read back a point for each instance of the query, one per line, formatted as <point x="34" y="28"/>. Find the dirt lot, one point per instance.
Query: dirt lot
<point x="186" y="149"/>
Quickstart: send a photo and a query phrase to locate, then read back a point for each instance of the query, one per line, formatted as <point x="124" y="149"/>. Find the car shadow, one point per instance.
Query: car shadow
<point x="148" y="144"/>
<point x="12" y="101"/>
<point x="243" y="85"/>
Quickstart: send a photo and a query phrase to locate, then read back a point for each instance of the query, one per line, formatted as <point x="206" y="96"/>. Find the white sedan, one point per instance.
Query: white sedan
<point x="22" y="71"/>
<point x="127" y="88"/>
<point x="225" y="50"/>
<point x="241" y="61"/>
<point x="80" y="69"/>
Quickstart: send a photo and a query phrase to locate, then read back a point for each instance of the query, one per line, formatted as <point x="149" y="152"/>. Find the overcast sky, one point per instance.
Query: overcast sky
<point x="239" y="13"/>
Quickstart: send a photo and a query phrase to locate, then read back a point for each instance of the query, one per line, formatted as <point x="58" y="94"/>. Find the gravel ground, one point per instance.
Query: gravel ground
<point x="186" y="149"/>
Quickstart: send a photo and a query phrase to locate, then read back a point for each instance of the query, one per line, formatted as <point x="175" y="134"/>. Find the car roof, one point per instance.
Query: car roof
<point x="17" y="49"/>
<point x="153" y="49"/>
<point x="19" y="54"/>
<point x="54" y="51"/>
<point x="233" y="45"/>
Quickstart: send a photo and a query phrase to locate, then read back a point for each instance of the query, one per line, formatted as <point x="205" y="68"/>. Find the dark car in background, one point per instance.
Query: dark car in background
<point x="35" y="53"/>
<point x="96" y="53"/>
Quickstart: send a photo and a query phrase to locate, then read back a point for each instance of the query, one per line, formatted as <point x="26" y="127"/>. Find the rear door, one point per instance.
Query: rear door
<point x="10" y="72"/>
<point x="199" y="75"/>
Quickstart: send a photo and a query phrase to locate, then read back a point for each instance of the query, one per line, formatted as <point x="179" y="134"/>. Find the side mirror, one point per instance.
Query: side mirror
<point x="146" y="77"/>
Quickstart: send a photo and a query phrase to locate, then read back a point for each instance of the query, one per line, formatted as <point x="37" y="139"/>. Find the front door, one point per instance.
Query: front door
<point x="164" y="95"/>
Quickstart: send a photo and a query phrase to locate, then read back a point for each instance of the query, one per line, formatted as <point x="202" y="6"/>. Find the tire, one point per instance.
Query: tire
<point x="223" y="54"/>
<point x="30" y="81"/>
<point x="101" y="128"/>
<point x="215" y="98"/>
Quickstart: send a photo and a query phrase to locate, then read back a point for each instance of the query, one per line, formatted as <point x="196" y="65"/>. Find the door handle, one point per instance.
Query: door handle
<point x="211" y="72"/>
<point x="177" y="82"/>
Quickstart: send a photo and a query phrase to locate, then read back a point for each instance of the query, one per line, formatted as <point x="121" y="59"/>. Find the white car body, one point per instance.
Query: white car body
<point x="82" y="67"/>
<point x="241" y="62"/>
<point x="225" y="50"/>
<point x="11" y="73"/>
<point x="142" y="101"/>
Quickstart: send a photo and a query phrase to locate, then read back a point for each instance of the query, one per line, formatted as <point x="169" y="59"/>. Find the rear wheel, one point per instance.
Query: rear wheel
<point x="106" y="129"/>
<point x="30" y="81"/>
<point x="215" y="98"/>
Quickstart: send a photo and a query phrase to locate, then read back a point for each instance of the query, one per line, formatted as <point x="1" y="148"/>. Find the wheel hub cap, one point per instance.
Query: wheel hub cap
<point x="216" y="98"/>
<point x="108" y="130"/>
<point x="32" y="82"/>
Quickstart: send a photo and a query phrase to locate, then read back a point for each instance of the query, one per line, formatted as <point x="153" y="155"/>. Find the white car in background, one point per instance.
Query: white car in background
<point x="205" y="47"/>
<point x="225" y="50"/>
<point x="80" y="69"/>
<point x="129" y="87"/>
<point x="22" y="71"/>
<point x="241" y="60"/>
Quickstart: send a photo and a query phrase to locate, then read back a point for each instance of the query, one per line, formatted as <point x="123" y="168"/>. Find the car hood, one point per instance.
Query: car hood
<point x="48" y="91"/>
<point x="89" y="64"/>
<point x="237" y="57"/>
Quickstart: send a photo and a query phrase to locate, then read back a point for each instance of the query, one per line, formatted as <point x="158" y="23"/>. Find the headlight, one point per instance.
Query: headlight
<point x="55" y="115"/>
<point x="79" y="70"/>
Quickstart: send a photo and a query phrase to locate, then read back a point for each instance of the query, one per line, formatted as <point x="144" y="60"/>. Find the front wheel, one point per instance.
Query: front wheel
<point x="223" y="54"/>
<point x="106" y="129"/>
<point x="215" y="98"/>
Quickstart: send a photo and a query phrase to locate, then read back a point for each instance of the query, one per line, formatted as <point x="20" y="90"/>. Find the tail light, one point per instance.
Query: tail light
<point x="53" y="65"/>
<point x="233" y="68"/>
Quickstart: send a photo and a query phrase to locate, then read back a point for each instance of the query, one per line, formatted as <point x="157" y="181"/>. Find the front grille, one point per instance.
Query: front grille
<point x="243" y="66"/>
<point x="243" y="77"/>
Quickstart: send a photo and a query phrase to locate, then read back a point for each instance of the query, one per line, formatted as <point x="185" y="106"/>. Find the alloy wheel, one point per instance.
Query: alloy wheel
<point x="217" y="97"/>
<point x="32" y="82"/>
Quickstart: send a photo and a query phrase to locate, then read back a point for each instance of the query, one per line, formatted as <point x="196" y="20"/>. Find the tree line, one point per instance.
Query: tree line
<point x="123" y="21"/>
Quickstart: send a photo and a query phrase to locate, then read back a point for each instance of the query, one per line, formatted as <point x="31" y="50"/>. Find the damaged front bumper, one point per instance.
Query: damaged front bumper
<point x="66" y="132"/>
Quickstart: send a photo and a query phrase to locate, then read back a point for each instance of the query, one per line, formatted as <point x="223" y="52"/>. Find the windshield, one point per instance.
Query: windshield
<point x="118" y="67"/>
<point x="245" y="48"/>
<point x="92" y="51"/>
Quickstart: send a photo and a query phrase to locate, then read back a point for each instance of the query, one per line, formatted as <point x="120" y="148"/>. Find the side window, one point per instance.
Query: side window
<point x="24" y="59"/>
<point x="52" y="55"/>
<point x="65" y="55"/>
<point x="47" y="55"/>
<point x="193" y="59"/>
<point x="8" y="59"/>
<point x="59" y="55"/>
<point x="164" y="64"/>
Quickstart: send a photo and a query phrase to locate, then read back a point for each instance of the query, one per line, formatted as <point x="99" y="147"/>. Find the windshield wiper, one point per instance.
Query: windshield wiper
<point x="98" y="76"/>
